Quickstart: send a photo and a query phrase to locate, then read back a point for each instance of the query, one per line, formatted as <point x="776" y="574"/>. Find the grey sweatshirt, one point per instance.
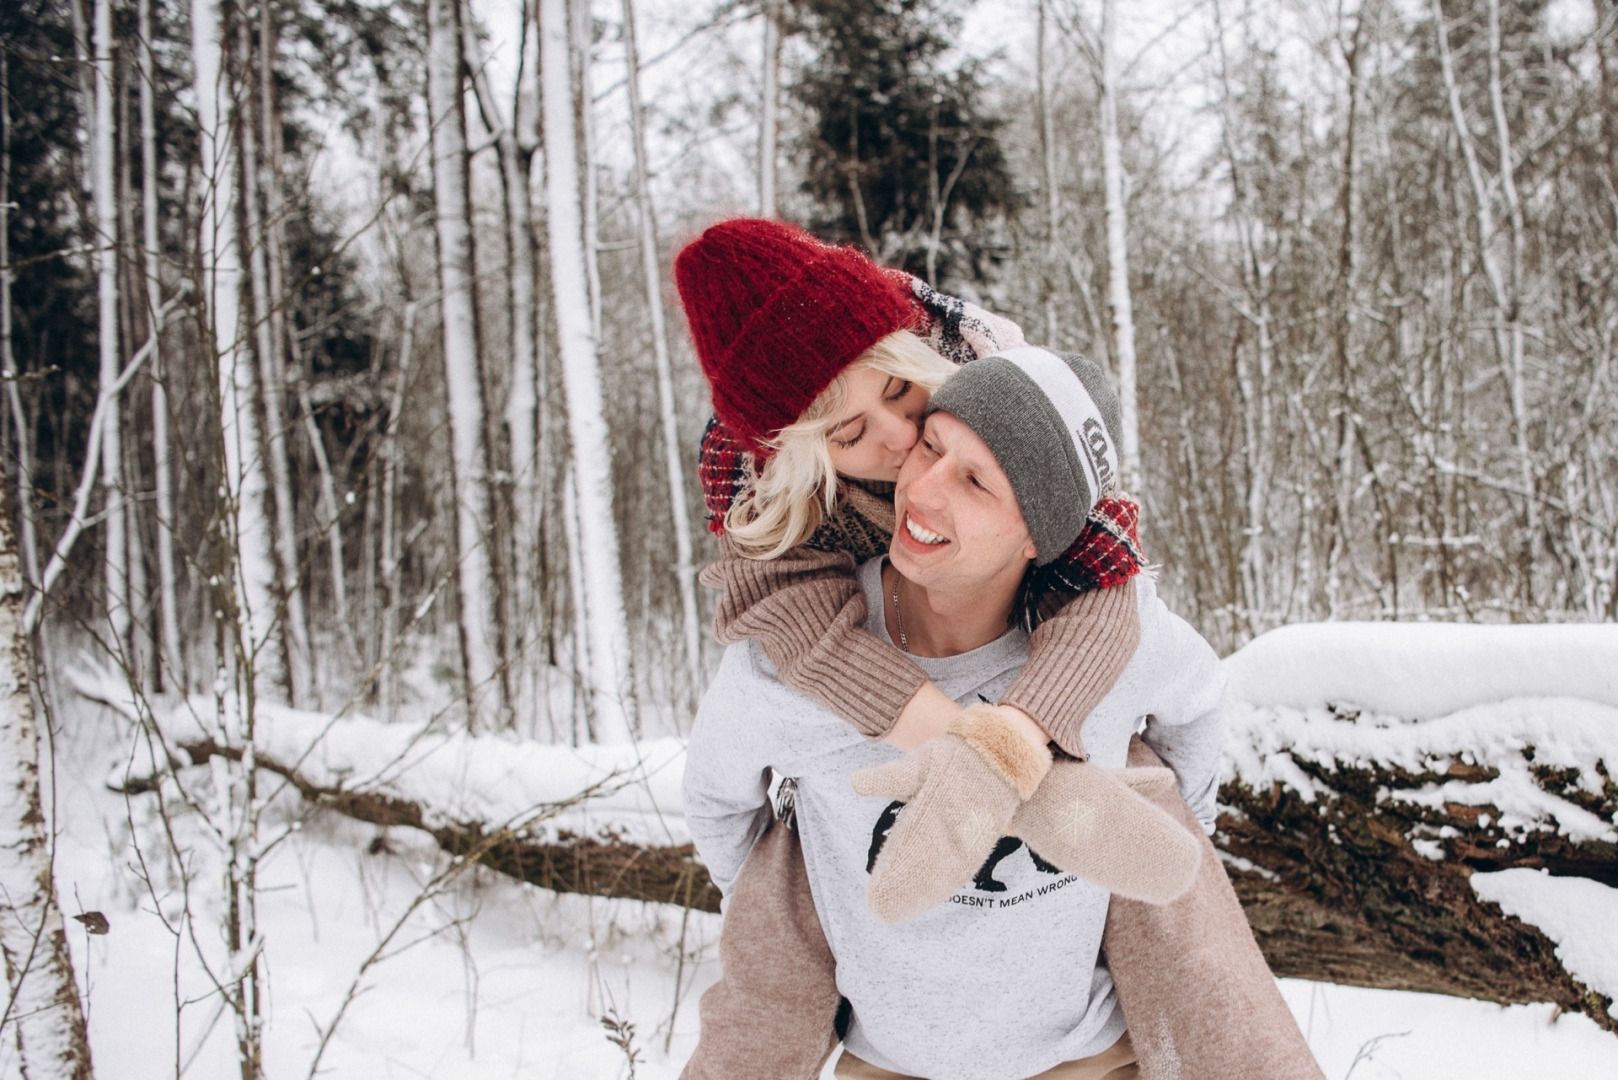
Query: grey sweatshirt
<point x="1005" y="981"/>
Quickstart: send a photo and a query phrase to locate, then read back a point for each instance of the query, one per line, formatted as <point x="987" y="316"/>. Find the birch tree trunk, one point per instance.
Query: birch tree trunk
<point x="330" y="523"/>
<point x="1347" y="287"/>
<point x="295" y="622"/>
<point x="84" y="72"/>
<point x="8" y="360"/>
<point x="283" y="345"/>
<point x="390" y="526"/>
<point x="612" y="685"/>
<point x="582" y="25"/>
<point x="522" y="399"/>
<point x="463" y="366"/>
<point x="245" y="491"/>
<point x="1257" y="422"/>
<point x="43" y="1021"/>
<point x="684" y="570"/>
<point x="1118" y="300"/>
<point x="1257" y="266"/>
<point x="143" y="646"/>
<point x="115" y="554"/>
<point x="1508" y="330"/>
<point x="528" y="492"/>
<point x="584" y="701"/>
<point x="769" y="122"/>
<point x="1511" y="349"/>
<point x="1047" y="152"/>
<point x="170" y="662"/>
<point x="249" y="662"/>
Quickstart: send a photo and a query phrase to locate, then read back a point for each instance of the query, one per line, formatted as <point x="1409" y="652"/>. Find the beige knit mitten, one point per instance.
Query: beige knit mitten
<point x="1099" y="824"/>
<point x="960" y="791"/>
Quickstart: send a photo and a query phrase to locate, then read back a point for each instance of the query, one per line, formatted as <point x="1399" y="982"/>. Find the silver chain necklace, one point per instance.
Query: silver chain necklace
<point x="898" y="615"/>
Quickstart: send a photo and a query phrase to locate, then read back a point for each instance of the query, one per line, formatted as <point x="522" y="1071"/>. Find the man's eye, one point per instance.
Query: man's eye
<point x="904" y="390"/>
<point x="846" y="443"/>
<point x="977" y="483"/>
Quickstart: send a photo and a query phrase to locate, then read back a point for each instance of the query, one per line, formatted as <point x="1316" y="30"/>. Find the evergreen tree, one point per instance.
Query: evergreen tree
<point x="901" y="152"/>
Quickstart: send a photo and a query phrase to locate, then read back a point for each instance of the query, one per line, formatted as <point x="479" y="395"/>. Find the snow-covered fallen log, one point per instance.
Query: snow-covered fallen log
<point x="604" y="820"/>
<point x="1369" y="844"/>
<point x="1464" y="844"/>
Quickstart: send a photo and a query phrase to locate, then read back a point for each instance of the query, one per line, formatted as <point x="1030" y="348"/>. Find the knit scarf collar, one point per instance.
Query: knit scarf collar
<point x="1106" y="553"/>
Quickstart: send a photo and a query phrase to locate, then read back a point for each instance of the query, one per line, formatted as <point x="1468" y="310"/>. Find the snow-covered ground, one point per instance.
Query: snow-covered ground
<point x="495" y="979"/>
<point x="518" y="990"/>
<point x="488" y="979"/>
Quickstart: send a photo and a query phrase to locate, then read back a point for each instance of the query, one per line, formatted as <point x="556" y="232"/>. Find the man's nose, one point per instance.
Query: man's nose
<point x="928" y="487"/>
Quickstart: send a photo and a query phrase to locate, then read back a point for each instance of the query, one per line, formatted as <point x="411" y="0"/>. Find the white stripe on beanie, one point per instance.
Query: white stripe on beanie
<point x="1078" y="410"/>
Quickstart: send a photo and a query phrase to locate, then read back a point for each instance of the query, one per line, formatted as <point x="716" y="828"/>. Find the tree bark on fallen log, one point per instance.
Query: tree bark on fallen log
<point x="575" y="864"/>
<point x="1337" y="892"/>
<point x="1335" y="888"/>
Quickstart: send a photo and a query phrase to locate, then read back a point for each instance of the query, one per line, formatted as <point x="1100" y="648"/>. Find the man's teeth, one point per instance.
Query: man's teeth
<point x="922" y="534"/>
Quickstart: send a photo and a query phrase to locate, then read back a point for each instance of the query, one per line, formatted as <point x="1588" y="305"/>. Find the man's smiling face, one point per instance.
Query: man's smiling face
<point x="959" y="531"/>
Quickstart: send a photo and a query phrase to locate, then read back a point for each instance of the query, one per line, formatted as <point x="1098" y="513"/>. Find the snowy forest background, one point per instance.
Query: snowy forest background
<point x="344" y="374"/>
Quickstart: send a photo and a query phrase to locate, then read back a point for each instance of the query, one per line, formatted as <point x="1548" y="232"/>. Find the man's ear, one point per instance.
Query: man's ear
<point x="1029" y="551"/>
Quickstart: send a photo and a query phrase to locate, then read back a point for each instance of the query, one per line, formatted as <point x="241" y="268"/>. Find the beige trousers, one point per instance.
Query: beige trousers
<point x="1115" y="1063"/>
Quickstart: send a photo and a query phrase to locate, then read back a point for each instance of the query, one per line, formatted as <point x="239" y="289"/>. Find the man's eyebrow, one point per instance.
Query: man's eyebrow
<point x="973" y="459"/>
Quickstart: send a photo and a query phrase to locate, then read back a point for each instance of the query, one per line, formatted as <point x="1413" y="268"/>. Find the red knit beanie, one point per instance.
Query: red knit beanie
<point x="777" y="314"/>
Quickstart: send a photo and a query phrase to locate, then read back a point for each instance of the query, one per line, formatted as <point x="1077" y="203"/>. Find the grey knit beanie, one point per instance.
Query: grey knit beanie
<point x="1053" y="424"/>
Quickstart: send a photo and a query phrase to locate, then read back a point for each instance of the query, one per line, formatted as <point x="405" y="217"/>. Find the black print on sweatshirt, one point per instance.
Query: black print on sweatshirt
<point x="984" y="880"/>
<point x="879" y="834"/>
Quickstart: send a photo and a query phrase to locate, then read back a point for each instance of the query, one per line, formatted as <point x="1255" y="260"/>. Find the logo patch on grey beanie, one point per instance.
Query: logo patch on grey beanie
<point x="1080" y="413"/>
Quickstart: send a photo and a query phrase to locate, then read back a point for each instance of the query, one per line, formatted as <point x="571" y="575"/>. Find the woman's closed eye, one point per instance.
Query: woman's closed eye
<point x="844" y="444"/>
<point x="902" y="392"/>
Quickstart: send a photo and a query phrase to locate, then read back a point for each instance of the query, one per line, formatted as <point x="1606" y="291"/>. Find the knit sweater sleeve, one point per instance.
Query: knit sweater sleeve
<point x="808" y="614"/>
<point x="1074" y="658"/>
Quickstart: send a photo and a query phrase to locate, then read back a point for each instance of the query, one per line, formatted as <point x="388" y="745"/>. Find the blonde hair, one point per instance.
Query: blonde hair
<point x="781" y="506"/>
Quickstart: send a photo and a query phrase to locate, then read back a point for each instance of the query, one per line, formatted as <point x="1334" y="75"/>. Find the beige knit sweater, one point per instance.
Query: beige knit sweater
<point x="808" y="614"/>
